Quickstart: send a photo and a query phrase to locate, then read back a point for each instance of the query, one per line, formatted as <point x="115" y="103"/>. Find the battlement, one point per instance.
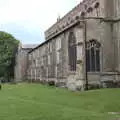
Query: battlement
<point x="81" y="10"/>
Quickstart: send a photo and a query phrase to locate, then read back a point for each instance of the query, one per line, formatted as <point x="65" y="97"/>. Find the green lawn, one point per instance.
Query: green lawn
<point x="37" y="102"/>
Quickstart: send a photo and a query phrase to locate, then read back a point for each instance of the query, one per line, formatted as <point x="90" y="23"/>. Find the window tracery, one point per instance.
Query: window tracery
<point x="93" y="56"/>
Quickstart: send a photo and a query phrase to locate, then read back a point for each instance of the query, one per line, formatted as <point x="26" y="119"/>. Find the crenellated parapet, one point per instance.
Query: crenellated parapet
<point x="85" y="8"/>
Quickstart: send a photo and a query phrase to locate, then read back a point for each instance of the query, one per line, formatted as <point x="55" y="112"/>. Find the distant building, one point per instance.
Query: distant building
<point x="21" y="61"/>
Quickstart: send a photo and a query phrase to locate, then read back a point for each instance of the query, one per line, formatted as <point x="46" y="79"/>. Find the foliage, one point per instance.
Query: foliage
<point x="8" y="47"/>
<point x="37" y="102"/>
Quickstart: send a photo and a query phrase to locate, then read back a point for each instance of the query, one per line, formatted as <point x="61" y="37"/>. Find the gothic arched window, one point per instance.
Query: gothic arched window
<point x="93" y="56"/>
<point x="72" y="51"/>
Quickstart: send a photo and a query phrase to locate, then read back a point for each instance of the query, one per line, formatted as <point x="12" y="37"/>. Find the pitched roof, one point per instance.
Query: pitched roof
<point x="29" y="46"/>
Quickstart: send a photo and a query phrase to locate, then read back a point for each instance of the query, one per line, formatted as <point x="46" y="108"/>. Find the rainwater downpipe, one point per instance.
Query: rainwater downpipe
<point x="85" y="55"/>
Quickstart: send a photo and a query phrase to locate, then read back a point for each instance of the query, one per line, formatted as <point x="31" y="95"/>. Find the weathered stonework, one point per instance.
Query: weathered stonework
<point x="61" y="58"/>
<point x="22" y="62"/>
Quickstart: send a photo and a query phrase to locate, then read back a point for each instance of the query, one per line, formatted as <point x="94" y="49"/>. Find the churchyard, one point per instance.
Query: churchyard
<point x="38" y="102"/>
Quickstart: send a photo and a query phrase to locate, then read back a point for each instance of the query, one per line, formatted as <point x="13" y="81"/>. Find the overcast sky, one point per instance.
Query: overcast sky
<point x="28" y="19"/>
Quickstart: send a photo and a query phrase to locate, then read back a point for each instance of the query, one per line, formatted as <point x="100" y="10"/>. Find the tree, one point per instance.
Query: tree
<point x="8" y="49"/>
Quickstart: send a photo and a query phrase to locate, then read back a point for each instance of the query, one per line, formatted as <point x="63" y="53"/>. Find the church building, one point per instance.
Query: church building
<point x="81" y="49"/>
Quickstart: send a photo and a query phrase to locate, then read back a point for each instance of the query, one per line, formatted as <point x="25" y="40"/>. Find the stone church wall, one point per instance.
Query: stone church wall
<point x="50" y="61"/>
<point x="21" y="63"/>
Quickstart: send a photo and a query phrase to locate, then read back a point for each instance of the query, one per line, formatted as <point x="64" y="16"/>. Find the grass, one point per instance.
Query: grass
<point x="37" y="102"/>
